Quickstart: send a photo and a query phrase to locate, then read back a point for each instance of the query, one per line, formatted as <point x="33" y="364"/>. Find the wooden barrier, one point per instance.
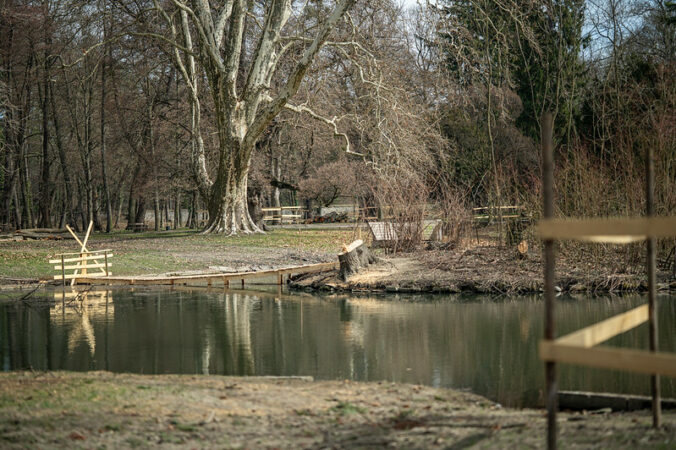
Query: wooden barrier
<point x="81" y="264"/>
<point x="579" y="347"/>
<point x="278" y="214"/>
<point x="609" y="230"/>
<point x="489" y="213"/>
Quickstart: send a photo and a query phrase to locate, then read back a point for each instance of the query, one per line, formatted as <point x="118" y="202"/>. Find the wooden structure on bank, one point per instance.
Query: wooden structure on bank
<point x="385" y="232"/>
<point x="293" y="214"/>
<point x="94" y="264"/>
<point x="209" y="278"/>
<point x="581" y="347"/>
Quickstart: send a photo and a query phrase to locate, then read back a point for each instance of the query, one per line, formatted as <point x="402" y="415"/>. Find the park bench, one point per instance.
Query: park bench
<point x="137" y="227"/>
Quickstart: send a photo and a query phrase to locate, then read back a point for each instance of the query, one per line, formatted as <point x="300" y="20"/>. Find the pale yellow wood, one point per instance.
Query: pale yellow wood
<point x="627" y="360"/>
<point x="79" y="266"/>
<point x="89" y="257"/>
<point x="602" y="331"/>
<point x="615" y="229"/>
<point x="352" y="246"/>
<point x="92" y="253"/>
<point x="83" y="249"/>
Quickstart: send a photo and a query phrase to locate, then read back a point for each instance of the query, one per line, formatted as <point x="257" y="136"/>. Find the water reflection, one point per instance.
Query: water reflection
<point x="479" y="343"/>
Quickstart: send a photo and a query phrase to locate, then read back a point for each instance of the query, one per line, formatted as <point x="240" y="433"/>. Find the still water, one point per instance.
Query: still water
<point x="484" y="344"/>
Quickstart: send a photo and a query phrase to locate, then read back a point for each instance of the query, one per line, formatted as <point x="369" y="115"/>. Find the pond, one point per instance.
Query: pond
<point x="484" y="344"/>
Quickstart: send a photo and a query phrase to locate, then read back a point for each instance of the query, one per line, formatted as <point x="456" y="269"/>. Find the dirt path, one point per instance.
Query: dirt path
<point x="104" y="410"/>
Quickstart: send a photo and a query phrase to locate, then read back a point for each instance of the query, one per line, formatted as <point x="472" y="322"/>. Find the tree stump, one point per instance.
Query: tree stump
<point x="353" y="258"/>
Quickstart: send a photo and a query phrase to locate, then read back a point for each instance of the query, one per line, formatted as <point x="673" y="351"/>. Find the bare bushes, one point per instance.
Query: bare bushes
<point x="404" y="202"/>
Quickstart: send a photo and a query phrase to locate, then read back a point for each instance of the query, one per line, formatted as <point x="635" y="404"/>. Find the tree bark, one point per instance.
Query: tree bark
<point x="177" y="212"/>
<point x="65" y="170"/>
<point x="45" y="182"/>
<point x="140" y="216"/>
<point x="104" y="175"/>
<point x="353" y="258"/>
<point x="276" y="175"/>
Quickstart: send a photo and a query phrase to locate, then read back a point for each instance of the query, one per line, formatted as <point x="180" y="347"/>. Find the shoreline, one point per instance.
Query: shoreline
<point x="410" y="276"/>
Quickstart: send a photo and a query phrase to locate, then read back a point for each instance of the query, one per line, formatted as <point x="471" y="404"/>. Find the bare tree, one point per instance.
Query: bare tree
<point x="244" y="106"/>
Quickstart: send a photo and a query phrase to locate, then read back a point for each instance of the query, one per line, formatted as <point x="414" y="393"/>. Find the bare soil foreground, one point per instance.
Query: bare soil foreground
<point x="105" y="410"/>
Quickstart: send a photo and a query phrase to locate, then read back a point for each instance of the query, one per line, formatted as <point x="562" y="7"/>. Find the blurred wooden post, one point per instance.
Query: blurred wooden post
<point x="63" y="271"/>
<point x="551" y="400"/>
<point x="652" y="303"/>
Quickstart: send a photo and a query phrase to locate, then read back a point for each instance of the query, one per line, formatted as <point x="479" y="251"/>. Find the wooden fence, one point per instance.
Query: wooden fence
<point x="581" y="347"/>
<point x="86" y="264"/>
<point x="294" y="214"/>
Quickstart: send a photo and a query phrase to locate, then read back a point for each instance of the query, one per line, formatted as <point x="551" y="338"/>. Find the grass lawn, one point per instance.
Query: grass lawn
<point x="165" y="251"/>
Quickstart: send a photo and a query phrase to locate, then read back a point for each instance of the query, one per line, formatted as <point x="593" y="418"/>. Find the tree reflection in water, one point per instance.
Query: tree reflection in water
<point x="488" y="345"/>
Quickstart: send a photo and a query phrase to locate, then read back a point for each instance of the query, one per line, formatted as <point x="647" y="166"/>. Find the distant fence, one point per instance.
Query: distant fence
<point x="288" y="214"/>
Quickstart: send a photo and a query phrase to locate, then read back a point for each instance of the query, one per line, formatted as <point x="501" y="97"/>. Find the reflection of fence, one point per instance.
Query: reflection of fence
<point x="288" y="214"/>
<point x="89" y="264"/>
<point x="580" y="347"/>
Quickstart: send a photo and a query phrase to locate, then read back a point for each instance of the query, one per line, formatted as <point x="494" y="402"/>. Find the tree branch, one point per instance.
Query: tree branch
<point x="294" y="81"/>
<point x="332" y="122"/>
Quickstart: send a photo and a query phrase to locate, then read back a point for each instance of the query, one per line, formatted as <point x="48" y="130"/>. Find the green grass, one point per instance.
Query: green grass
<point x="347" y="408"/>
<point x="166" y="251"/>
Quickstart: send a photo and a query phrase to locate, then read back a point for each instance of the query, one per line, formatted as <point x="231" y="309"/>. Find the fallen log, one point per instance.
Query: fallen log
<point x="30" y="234"/>
<point x="354" y="257"/>
<point x="43" y="230"/>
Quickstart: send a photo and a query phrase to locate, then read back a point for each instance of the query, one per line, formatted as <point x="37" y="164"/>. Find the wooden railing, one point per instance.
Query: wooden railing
<point x="581" y="347"/>
<point x="485" y="214"/>
<point x="86" y="264"/>
<point x="272" y="214"/>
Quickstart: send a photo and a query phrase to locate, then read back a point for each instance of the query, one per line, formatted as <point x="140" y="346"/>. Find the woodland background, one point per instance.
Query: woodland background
<point x="441" y="102"/>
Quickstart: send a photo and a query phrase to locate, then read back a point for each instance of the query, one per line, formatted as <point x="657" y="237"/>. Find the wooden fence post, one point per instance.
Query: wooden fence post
<point x="652" y="301"/>
<point x="548" y="203"/>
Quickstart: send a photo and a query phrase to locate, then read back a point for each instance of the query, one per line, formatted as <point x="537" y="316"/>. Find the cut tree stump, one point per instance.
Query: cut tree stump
<point x="354" y="257"/>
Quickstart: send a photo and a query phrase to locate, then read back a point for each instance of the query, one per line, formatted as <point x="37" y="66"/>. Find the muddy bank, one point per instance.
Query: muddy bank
<point x="100" y="409"/>
<point x="485" y="270"/>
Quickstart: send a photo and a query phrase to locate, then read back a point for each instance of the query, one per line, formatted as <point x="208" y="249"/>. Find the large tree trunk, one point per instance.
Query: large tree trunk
<point x="276" y="175"/>
<point x="229" y="211"/>
<point x="65" y="170"/>
<point x="140" y="210"/>
<point x="228" y="206"/>
<point x="44" y="201"/>
<point x="177" y="212"/>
